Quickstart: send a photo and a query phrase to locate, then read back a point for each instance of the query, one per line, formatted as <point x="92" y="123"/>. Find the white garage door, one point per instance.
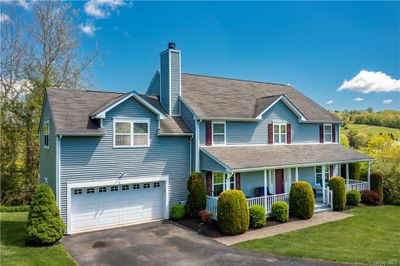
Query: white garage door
<point x="110" y="206"/>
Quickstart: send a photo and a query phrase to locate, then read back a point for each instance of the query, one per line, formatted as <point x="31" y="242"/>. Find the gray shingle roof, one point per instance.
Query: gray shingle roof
<point x="224" y="97"/>
<point x="249" y="157"/>
<point x="71" y="110"/>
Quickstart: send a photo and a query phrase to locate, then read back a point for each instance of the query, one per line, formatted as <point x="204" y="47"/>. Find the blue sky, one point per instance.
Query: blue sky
<point x="314" y="46"/>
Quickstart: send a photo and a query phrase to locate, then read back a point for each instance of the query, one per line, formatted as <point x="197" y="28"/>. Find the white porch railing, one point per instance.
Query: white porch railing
<point x="356" y="185"/>
<point x="211" y="205"/>
<point x="328" y="199"/>
<point x="275" y="198"/>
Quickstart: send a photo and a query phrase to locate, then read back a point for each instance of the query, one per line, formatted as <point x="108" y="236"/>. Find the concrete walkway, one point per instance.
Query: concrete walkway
<point x="318" y="218"/>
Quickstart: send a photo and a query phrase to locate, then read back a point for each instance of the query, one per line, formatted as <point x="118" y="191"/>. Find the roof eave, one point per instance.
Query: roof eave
<point x="175" y="134"/>
<point x="239" y="119"/>
<point x="291" y="106"/>
<point x="81" y="134"/>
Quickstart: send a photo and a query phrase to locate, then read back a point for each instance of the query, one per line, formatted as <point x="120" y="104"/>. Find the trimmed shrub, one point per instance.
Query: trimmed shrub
<point x="20" y="208"/>
<point x="196" y="198"/>
<point x="369" y="197"/>
<point x="396" y="202"/>
<point x="301" y="200"/>
<point x="280" y="211"/>
<point x="338" y="187"/>
<point x="377" y="184"/>
<point x="44" y="226"/>
<point x="257" y="216"/>
<point x="233" y="212"/>
<point x="353" y="197"/>
<point x="177" y="211"/>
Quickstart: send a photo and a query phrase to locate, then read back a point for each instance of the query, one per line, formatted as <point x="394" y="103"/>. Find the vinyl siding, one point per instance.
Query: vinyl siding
<point x="175" y="82"/>
<point x="257" y="132"/>
<point x="164" y="97"/>
<point x="187" y="116"/>
<point x="85" y="159"/>
<point x="208" y="164"/>
<point x="154" y="88"/>
<point x="47" y="163"/>
<point x="249" y="181"/>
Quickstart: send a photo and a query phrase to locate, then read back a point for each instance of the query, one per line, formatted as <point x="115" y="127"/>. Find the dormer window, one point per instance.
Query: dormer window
<point x="133" y="133"/>
<point x="327" y="133"/>
<point x="46" y="133"/>
<point x="218" y="133"/>
<point x="279" y="133"/>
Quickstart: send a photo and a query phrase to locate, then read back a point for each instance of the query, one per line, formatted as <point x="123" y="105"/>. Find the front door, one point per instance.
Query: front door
<point x="279" y="181"/>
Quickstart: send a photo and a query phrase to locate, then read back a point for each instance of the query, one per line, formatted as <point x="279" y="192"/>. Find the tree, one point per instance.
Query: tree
<point x="344" y="140"/>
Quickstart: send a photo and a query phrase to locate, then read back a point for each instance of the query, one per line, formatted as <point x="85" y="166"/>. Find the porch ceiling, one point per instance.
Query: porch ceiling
<point x="257" y="157"/>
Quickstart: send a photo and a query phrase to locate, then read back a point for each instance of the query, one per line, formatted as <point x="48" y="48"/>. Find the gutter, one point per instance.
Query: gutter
<point x="81" y="134"/>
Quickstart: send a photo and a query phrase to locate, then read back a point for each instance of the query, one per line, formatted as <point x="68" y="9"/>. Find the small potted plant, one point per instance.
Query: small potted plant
<point x="205" y="216"/>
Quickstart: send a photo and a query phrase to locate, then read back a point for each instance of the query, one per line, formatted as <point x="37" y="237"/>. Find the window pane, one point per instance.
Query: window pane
<point x="283" y="128"/>
<point x="218" y="128"/>
<point x="122" y="140"/>
<point x="276" y="138"/>
<point x="328" y="137"/>
<point x="276" y="128"/>
<point x="318" y="169"/>
<point x="327" y="128"/>
<point x="218" y="139"/>
<point x="140" y="128"/>
<point x="283" y="138"/>
<point x="218" y="189"/>
<point x="218" y="178"/>
<point x="122" y="127"/>
<point x="318" y="179"/>
<point x="140" y="140"/>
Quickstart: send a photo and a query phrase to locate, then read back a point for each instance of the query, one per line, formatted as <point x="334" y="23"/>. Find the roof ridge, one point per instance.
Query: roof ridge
<point x="245" y="80"/>
<point x="85" y="90"/>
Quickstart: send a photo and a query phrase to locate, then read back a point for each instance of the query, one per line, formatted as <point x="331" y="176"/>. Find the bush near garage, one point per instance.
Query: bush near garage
<point x="177" y="212"/>
<point x="353" y="197"/>
<point x="370" y="197"/>
<point x="233" y="212"/>
<point x="45" y="226"/>
<point x="257" y="216"/>
<point x="196" y="198"/>
<point x="338" y="187"/>
<point x="280" y="211"/>
<point x="301" y="200"/>
<point x="377" y="184"/>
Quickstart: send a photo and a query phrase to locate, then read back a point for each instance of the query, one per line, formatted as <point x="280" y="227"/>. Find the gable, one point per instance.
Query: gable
<point x="154" y="86"/>
<point x="282" y="99"/>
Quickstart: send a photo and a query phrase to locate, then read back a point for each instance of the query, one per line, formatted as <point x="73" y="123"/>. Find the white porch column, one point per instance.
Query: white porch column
<point x="265" y="190"/>
<point x="323" y="184"/>
<point x="369" y="175"/>
<point x="339" y="168"/>
<point x="297" y="174"/>
<point x="347" y="174"/>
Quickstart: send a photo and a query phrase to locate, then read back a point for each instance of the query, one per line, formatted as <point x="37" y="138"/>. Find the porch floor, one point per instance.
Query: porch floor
<point x="318" y="218"/>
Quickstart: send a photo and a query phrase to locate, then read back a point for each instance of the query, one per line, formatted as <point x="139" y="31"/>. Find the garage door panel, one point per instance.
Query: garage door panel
<point x="97" y="209"/>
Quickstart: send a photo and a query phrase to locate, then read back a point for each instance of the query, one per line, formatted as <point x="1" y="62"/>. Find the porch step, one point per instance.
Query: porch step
<point x="322" y="208"/>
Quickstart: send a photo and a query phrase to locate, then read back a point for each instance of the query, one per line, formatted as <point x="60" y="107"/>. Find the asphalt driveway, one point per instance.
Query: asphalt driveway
<point x="162" y="243"/>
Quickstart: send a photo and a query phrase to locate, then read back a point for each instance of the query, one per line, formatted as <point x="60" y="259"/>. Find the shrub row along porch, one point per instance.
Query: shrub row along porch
<point x="265" y="173"/>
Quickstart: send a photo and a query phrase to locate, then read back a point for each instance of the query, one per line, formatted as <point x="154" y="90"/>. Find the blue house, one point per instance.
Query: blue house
<point x="116" y="159"/>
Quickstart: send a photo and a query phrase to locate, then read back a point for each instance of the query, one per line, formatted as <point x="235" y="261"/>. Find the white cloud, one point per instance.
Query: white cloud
<point x="88" y="28"/>
<point x="388" y="101"/>
<point x="102" y="8"/>
<point x="4" y="18"/>
<point x="358" y="99"/>
<point x="370" y="81"/>
<point x="329" y="102"/>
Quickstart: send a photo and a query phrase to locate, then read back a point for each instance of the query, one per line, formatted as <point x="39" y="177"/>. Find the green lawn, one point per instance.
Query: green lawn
<point x="372" y="130"/>
<point x="14" y="251"/>
<point x="372" y="235"/>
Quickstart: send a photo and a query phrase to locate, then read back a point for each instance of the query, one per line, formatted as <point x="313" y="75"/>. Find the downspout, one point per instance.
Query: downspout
<point x="190" y="154"/>
<point x="197" y="146"/>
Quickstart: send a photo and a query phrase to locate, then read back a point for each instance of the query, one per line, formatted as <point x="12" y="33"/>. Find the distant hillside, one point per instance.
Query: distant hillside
<point x="386" y="118"/>
<point x="370" y="130"/>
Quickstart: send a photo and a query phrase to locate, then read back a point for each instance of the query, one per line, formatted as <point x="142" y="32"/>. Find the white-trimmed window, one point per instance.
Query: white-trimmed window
<point x="46" y="133"/>
<point x="279" y="133"/>
<point x="218" y="133"/>
<point x="218" y="183"/>
<point x="133" y="133"/>
<point x="327" y="133"/>
<point x="322" y="171"/>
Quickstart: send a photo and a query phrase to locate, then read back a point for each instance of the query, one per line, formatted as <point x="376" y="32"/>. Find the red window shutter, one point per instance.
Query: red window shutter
<point x="270" y="134"/>
<point x="321" y="133"/>
<point x="331" y="170"/>
<point x="289" y="133"/>
<point x="333" y="133"/>
<point x="208" y="133"/>
<point x="209" y="183"/>
<point x="237" y="181"/>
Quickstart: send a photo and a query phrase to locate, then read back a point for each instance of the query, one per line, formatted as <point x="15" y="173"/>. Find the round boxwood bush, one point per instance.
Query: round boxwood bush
<point x="44" y="226"/>
<point x="338" y="187"/>
<point x="196" y="198"/>
<point x="353" y="197"/>
<point x="301" y="200"/>
<point x="177" y="211"/>
<point x="233" y="212"/>
<point x="369" y="197"/>
<point x="257" y="216"/>
<point x="280" y="211"/>
<point x="377" y="184"/>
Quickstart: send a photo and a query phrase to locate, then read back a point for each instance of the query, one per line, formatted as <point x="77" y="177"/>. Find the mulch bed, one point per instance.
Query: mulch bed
<point x="211" y="229"/>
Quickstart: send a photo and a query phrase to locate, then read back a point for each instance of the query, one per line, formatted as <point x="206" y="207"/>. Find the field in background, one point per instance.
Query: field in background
<point x="371" y="130"/>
